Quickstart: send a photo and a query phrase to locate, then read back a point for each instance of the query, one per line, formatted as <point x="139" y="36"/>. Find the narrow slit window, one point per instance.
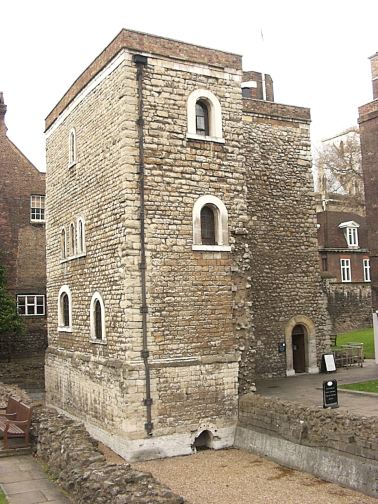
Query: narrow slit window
<point x="98" y="320"/>
<point x="63" y="244"/>
<point x="72" y="239"/>
<point x="66" y="310"/>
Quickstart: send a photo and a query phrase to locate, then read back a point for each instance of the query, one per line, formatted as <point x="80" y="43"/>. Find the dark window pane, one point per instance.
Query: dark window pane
<point x="21" y="305"/>
<point x="207" y="226"/>
<point x="202" y="119"/>
<point x="40" y="310"/>
<point x="98" y="320"/>
<point x="66" y="310"/>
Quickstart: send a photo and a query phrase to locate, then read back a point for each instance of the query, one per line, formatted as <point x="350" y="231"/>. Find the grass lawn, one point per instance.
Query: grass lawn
<point x="3" y="500"/>
<point x="364" y="336"/>
<point x="367" y="386"/>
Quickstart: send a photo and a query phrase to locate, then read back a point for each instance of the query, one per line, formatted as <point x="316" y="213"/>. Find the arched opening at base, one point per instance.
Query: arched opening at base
<point x="203" y="441"/>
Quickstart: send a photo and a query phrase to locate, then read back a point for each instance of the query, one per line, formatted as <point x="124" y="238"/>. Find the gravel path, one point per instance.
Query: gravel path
<point x="238" y="477"/>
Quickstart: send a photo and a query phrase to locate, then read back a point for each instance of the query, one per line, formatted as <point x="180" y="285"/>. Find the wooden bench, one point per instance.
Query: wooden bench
<point x="15" y="421"/>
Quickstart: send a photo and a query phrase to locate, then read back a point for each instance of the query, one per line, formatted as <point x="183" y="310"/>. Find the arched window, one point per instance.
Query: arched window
<point x="210" y="225"/>
<point x="80" y="230"/>
<point x="204" y="116"/>
<point x="63" y="244"/>
<point x="72" y="148"/>
<point x="72" y="240"/>
<point x="97" y="319"/>
<point x="65" y="309"/>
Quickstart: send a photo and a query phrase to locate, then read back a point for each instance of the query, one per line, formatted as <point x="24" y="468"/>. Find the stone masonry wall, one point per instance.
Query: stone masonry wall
<point x="284" y="274"/>
<point x="349" y="305"/>
<point x="192" y="318"/>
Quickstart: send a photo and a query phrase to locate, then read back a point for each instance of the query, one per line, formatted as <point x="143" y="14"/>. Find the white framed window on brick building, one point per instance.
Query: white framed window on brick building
<point x="346" y="271"/>
<point x="366" y="266"/>
<point x="37" y="208"/>
<point x="210" y="225"/>
<point x="350" y="230"/>
<point x="72" y="148"/>
<point x="204" y="116"/>
<point x="31" y="304"/>
<point x="65" y="309"/>
<point x="97" y="319"/>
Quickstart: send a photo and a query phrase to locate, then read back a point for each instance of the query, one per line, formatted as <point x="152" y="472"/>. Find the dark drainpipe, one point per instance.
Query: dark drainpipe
<point x="141" y="63"/>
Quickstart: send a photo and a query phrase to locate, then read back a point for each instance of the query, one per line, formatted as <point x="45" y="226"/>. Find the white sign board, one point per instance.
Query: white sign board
<point x="329" y="362"/>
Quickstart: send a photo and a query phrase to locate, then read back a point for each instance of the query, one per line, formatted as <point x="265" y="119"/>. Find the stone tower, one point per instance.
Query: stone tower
<point x="158" y="221"/>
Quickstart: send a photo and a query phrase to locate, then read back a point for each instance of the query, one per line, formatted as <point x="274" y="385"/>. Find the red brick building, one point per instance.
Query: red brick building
<point x="368" y="120"/>
<point x="22" y="245"/>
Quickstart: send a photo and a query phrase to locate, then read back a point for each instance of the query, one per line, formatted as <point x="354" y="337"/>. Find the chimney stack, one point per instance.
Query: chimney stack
<point x="3" y="109"/>
<point x="374" y="74"/>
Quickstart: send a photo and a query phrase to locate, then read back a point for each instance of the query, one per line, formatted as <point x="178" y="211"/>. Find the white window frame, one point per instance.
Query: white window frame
<point x="92" y="318"/>
<point x="72" y="148"/>
<point x="214" y="114"/>
<point x="366" y="267"/>
<point x="346" y="270"/>
<point x="221" y="224"/>
<point x="80" y="231"/>
<point x="350" y="230"/>
<point x="34" y="304"/>
<point x="61" y="327"/>
<point x="39" y="206"/>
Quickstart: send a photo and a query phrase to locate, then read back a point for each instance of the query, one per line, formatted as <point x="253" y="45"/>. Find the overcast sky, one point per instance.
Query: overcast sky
<point x="316" y="51"/>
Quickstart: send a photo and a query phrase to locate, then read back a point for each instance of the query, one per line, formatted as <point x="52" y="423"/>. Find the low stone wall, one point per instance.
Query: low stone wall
<point x="73" y="458"/>
<point x="334" y="446"/>
<point x="26" y="371"/>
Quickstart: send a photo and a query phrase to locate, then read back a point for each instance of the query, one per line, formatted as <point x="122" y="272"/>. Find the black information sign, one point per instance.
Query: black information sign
<point x="330" y="394"/>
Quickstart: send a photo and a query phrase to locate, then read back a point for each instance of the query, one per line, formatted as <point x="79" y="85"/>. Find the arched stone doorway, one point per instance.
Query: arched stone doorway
<point x="300" y="346"/>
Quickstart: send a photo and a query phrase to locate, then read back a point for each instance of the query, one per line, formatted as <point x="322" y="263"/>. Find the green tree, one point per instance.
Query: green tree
<point x="11" y="324"/>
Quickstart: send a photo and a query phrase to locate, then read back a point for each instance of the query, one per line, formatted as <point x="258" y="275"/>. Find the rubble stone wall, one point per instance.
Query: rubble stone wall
<point x="284" y="272"/>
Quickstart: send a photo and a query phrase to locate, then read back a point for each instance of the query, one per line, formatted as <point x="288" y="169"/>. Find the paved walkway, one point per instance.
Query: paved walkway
<point x="24" y="482"/>
<point x="307" y="389"/>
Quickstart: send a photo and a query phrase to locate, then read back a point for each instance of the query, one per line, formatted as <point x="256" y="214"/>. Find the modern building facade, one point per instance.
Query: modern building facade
<point x="22" y="246"/>
<point x="182" y="254"/>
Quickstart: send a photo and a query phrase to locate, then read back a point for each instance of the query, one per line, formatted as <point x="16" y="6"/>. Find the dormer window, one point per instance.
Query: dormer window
<point x="350" y="230"/>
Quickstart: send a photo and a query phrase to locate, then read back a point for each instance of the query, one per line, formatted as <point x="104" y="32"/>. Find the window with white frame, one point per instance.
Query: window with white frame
<point x="346" y="272"/>
<point x="30" y="304"/>
<point x="204" y="116"/>
<point x="366" y="264"/>
<point x="210" y="225"/>
<point x="37" y="208"/>
<point x="350" y="230"/>
<point x="65" y="309"/>
<point x="80" y="232"/>
<point x="72" y="147"/>
<point x="97" y="319"/>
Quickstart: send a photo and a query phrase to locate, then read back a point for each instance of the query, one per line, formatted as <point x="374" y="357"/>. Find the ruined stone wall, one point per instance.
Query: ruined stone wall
<point x="284" y="275"/>
<point x="349" y="305"/>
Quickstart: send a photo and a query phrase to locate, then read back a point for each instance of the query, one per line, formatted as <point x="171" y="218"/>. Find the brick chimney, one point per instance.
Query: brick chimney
<point x="374" y="74"/>
<point x="3" y="109"/>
